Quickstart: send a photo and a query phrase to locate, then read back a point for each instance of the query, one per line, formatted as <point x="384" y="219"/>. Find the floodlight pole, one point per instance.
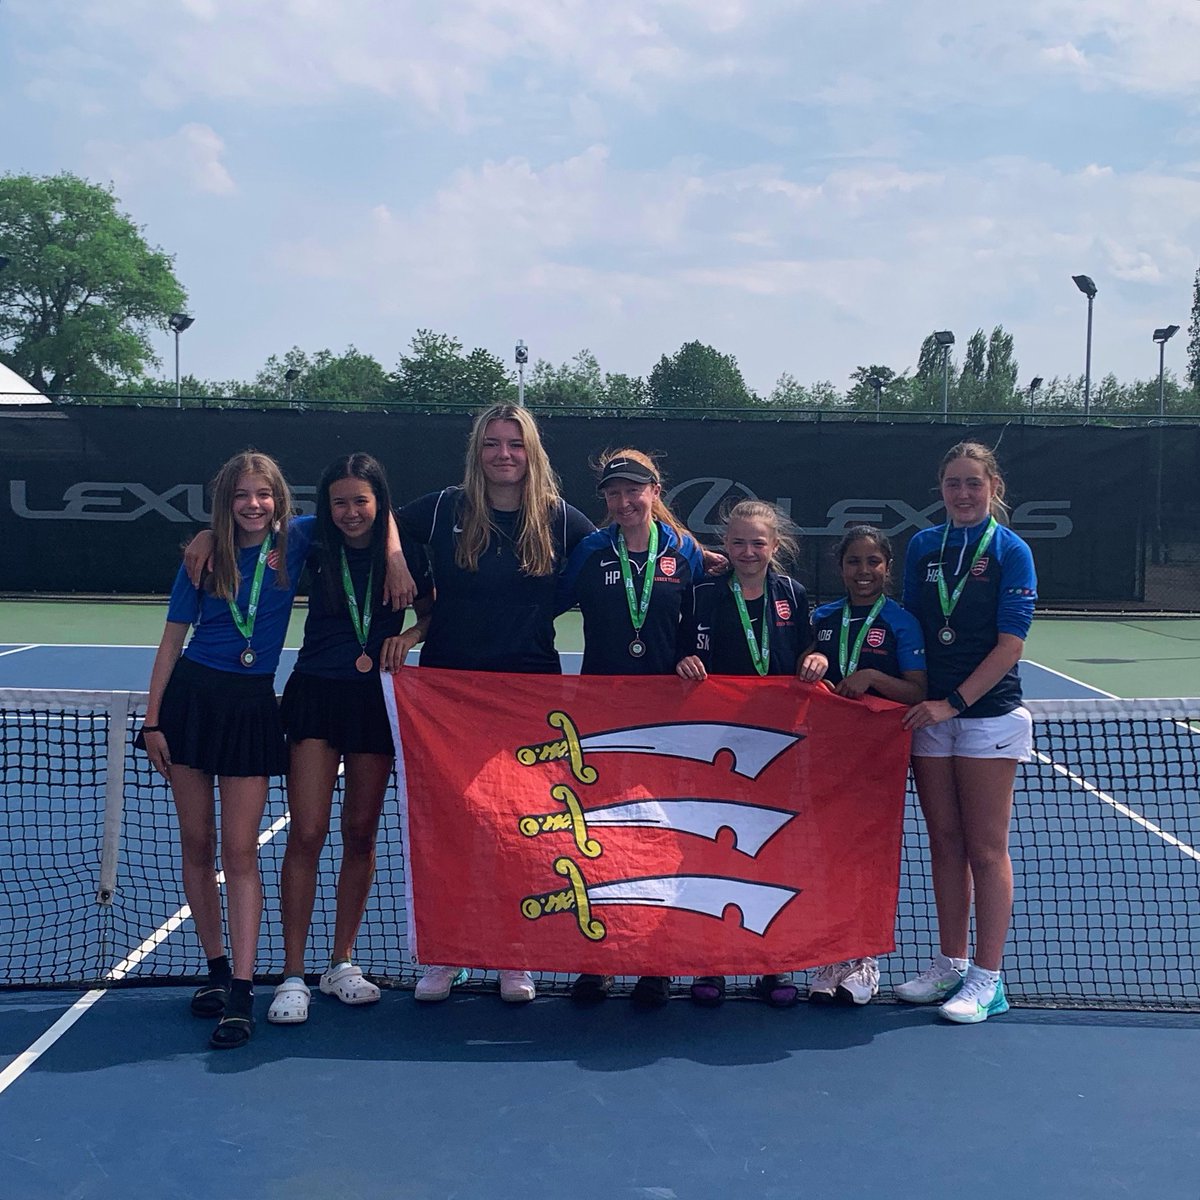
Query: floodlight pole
<point x="1034" y="384"/>
<point x="1089" y="289"/>
<point x="522" y="357"/>
<point x="1162" y="337"/>
<point x="179" y="322"/>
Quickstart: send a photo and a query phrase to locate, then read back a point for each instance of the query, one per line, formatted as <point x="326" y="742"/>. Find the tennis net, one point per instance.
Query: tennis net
<point x="1105" y="843"/>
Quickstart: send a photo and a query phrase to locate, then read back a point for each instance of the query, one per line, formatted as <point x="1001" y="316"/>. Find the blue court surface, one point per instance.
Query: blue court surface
<point x="475" y="1098"/>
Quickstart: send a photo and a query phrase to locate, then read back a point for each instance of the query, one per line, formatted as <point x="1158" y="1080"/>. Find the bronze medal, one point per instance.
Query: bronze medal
<point x="363" y="663"/>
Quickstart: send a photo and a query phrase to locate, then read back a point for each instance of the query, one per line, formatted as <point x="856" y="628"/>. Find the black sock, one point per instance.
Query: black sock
<point x="241" y="996"/>
<point x="219" y="970"/>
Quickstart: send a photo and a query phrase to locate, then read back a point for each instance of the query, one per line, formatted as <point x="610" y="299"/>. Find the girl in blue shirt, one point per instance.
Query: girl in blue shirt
<point x="211" y="715"/>
<point x="864" y="642"/>
<point x="971" y="584"/>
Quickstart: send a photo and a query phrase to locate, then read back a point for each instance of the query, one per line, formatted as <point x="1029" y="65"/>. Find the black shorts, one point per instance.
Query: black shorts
<point x="222" y="722"/>
<point x="349" y="714"/>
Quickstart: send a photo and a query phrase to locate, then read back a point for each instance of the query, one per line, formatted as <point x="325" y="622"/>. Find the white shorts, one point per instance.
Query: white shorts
<point x="1007" y="736"/>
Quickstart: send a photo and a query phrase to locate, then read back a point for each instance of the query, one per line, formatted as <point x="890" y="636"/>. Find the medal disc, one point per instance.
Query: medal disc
<point x="363" y="663"/>
<point x="637" y="648"/>
<point x="247" y="657"/>
<point x="946" y="635"/>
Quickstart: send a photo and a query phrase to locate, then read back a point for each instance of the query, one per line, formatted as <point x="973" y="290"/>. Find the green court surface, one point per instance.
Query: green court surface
<point x="1130" y="657"/>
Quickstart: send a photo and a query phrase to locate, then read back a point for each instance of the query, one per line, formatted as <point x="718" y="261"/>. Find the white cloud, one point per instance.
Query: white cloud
<point x="192" y="155"/>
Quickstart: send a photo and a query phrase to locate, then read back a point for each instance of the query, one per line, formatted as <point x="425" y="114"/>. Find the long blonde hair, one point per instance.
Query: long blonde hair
<point x="225" y="578"/>
<point x="659" y="511"/>
<point x="983" y="455"/>
<point x="540" y="498"/>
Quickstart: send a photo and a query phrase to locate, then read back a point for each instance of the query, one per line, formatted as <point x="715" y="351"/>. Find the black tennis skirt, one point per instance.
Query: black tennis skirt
<point x="349" y="714"/>
<point x="222" y="723"/>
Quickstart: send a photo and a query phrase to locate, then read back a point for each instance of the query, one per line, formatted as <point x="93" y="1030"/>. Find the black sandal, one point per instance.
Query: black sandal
<point x="651" y="991"/>
<point x="210" y="1000"/>
<point x="708" y="991"/>
<point x="233" y="1030"/>
<point x="777" y="990"/>
<point x="591" y="989"/>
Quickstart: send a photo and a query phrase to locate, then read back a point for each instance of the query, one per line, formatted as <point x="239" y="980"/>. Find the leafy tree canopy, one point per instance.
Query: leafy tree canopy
<point x="82" y="289"/>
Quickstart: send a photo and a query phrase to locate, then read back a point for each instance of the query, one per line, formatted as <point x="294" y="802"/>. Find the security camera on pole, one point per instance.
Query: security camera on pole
<point x="522" y="357"/>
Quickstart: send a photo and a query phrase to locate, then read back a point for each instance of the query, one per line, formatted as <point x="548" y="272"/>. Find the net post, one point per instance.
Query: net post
<point x="119" y="707"/>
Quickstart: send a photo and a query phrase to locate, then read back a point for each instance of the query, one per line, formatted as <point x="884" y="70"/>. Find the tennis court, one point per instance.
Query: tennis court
<point x="474" y="1098"/>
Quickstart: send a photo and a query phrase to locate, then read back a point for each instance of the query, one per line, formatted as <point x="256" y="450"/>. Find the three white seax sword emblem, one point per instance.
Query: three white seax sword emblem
<point x="753" y="750"/>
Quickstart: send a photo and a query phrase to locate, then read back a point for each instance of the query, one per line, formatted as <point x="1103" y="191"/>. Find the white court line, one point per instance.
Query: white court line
<point x="27" y="1058"/>
<point x="20" y="649"/>
<point x="1123" y="809"/>
<point x="1071" y="679"/>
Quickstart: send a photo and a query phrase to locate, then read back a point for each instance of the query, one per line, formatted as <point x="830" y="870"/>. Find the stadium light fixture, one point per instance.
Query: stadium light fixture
<point x="876" y="382"/>
<point x="945" y="339"/>
<point x="289" y="377"/>
<point x="521" y="354"/>
<point x="1162" y="337"/>
<point x="1034" y="384"/>
<point x="1088" y="288"/>
<point x="179" y="322"/>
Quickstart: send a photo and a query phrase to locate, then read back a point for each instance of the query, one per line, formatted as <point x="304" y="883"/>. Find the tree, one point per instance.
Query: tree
<point x="82" y="289"/>
<point x="1193" y="348"/>
<point x="435" y="372"/>
<point x="348" y="378"/>
<point x="698" y="377"/>
<point x="577" y="384"/>
<point x="1001" y="372"/>
<point x="875" y="383"/>
<point x="970" y="391"/>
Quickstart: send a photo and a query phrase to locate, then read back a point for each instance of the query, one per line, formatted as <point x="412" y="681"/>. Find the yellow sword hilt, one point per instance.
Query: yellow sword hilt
<point x="567" y="747"/>
<point x="573" y="899"/>
<point x="574" y="819"/>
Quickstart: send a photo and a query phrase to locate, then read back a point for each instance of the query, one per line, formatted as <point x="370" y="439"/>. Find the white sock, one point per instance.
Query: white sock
<point x="959" y="964"/>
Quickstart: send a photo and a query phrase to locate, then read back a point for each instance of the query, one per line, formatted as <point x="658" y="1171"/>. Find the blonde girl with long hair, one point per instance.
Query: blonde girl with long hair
<point x="496" y="543"/>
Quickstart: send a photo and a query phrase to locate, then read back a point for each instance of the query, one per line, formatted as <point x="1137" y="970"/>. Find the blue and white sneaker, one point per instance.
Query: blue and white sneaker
<point x="976" y="1000"/>
<point x="935" y="985"/>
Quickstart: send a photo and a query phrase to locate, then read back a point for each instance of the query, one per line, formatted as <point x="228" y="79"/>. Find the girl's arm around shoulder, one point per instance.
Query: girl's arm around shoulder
<point x="576" y="527"/>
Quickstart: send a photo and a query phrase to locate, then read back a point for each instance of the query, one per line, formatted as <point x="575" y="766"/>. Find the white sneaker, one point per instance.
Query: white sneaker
<point x="860" y="983"/>
<point x="938" y="982"/>
<point x="436" y="983"/>
<point x="824" y="984"/>
<point x="517" y="987"/>
<point x="976" y="1000"/>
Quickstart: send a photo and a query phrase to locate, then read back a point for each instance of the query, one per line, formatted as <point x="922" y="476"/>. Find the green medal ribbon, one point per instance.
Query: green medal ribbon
<point x="245" y="626"/>
<point x="759" y="656"/>
<point x="362" y="626"/>
<point x="948" y="601"/>
<point x="848" y="663"/>
<point x="638" y="608"/>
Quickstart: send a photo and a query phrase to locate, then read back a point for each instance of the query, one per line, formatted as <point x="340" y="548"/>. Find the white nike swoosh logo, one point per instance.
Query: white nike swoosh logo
<point x="458" y="529"/>
<point x="611" y="562"/>
<point x="703" y="628"/>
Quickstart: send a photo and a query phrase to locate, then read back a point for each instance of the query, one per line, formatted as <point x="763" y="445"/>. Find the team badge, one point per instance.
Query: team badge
<point x="980" y="566"/>
<point x="273" y="560"/>
<point x="876" y="638"/>
<point x="667" y="565"/>
<point x="783" y="609"/>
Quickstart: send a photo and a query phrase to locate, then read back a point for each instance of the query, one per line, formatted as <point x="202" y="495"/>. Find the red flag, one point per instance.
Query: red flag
<point x="646" y="826"/>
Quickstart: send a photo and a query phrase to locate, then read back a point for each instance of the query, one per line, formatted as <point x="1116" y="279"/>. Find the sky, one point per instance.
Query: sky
<point x="806" y="186"/>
